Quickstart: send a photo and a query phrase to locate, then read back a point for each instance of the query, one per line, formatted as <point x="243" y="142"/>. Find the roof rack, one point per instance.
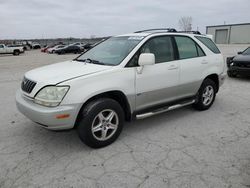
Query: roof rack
<point x="170" y="30"/>
<point x="192" y="32"/>
<point x="158" y="29"/>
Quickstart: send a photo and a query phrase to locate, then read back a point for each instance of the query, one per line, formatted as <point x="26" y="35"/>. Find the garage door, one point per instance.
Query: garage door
<point x="221" y="36"/>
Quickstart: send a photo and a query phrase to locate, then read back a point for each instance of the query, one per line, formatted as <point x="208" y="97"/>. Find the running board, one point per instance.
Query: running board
<point x="164" y="109"/>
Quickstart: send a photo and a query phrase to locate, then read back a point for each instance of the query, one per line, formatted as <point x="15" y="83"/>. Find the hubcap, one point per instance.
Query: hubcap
<point x="208" y="95"/>
<point x="105" y="124"/>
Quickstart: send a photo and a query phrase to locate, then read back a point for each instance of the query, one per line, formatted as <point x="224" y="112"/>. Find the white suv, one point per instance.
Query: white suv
<point x="126" y="77"/>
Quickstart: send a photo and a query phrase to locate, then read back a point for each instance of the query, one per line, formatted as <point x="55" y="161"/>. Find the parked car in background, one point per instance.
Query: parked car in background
<point x="77" y="44"/>
<point x="35" y="45"/>
<point x="87" y="46"/>
<point x="44" y="49"/>
<point x="17" y="45"/>
<point x="53" y="49"/>
<point x="239" y="64"/>
<point x="126" y="77"/>
<point x="11" y="50"/>
<point x="69" y="49"/>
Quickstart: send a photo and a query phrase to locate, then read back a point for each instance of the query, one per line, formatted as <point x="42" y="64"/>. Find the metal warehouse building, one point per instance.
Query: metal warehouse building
<point x="230" y="34"/>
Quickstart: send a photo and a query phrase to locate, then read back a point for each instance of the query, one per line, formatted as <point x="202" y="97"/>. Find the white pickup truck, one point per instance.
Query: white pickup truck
<point x="10" y="50"/>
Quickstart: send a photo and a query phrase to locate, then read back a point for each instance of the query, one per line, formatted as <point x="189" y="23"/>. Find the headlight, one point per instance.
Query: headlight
<point x="51" y="95"/>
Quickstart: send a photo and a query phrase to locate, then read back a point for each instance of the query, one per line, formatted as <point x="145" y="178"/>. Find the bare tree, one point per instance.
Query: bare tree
<point x="185" y="23"/>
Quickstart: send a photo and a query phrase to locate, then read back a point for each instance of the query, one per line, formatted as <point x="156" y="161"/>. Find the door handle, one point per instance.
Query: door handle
<point x="172" y="67"/>
<point x="204" y="62"/>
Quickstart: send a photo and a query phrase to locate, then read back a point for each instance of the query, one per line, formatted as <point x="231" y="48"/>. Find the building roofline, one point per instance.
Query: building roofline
<point x="226" y="25"/>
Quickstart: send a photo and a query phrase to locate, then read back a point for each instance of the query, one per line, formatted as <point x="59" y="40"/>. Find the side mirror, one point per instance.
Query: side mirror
<point x="239" y="53"/>
<point x="146" y="59"/>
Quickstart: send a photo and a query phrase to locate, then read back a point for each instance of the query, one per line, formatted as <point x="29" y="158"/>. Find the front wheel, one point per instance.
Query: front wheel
<point x="16" y="52"/>
<point x="206" y="95"/>
<point x="231" y="74"/>
<point x="100" y="122"/>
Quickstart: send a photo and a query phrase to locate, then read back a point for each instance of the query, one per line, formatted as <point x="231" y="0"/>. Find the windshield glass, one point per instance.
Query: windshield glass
<point x="111" y="51"/>
<point x="246" y="52"/>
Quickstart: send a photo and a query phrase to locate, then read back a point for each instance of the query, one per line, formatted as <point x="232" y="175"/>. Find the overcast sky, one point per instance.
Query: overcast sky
<point x="83" y="18"/>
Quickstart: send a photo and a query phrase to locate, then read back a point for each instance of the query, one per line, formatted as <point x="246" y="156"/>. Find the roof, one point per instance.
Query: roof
<point x="135" y="35"/>
<point x="226" y="25"/>
<point x="148" y="32"/>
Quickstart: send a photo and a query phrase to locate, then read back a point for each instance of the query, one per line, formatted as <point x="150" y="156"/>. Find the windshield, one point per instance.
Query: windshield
<point x="111" y="51"/>
<point x="246" y="52"/>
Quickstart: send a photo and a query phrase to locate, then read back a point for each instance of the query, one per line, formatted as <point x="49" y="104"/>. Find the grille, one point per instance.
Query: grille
<point x="242" y="64"/>
<point x="27" y="85"/>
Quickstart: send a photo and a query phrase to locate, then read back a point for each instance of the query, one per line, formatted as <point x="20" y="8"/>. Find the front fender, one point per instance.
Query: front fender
<point x="86" y="87"/>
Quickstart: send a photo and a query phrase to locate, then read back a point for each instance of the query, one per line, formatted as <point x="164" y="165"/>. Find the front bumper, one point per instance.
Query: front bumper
<point x="47" y="116"/>
<point x="240" y="70"/>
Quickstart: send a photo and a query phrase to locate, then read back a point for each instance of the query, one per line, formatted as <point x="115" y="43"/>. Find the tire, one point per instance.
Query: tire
<point x="231" y="74"/>
<point x="206" y="95"/>
<point x="93" y="122"/>
<point x="16" y="52"/>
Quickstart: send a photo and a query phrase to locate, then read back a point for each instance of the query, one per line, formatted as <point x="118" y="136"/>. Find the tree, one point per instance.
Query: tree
<point x="185" y="23"/>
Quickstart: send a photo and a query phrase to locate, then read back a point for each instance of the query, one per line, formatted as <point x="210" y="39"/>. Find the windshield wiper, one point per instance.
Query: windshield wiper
<point x="90" y="61"/>
<point x="80" y="60"/>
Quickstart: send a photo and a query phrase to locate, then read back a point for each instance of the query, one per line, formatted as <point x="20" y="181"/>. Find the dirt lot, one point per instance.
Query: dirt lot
<point x="181" y="148"/>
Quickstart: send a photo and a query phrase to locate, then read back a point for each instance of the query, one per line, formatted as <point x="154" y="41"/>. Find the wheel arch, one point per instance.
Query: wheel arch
<point x="116" y="95"/>
<point x="215" y="78"/>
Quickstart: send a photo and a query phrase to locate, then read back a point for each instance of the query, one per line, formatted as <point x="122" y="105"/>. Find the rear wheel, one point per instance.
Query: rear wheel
<point x="100" y="122"/>
<point x="206" y="95"/>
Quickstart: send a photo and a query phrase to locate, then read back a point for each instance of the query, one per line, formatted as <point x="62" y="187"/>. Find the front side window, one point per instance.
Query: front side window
<point x="188" y="48"/>
<point x="1" y="46"/>
<point x="161" y="47"/>
<point x="209" y="44"/>
<point x="112" y="51"/>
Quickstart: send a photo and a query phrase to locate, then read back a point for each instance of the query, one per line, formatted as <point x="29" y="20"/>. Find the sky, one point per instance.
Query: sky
<point x="27" y="19"/>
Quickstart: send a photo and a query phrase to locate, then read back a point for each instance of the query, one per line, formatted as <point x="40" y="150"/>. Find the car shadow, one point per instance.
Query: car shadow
<point x="243" y="78"/>
<point x="67" y="140"/>
<point x="5" y="55"/>
<point x="160" y="120"/>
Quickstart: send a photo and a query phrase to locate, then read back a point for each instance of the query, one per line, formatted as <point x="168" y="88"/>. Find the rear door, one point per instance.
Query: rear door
<point x="192" y="62"/>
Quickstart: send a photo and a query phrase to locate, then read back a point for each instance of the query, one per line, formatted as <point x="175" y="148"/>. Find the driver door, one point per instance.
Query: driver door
<point x="158" y="83"/>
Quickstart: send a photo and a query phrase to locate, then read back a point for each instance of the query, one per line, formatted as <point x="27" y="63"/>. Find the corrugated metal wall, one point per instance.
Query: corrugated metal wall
<point x="230" y="34"/>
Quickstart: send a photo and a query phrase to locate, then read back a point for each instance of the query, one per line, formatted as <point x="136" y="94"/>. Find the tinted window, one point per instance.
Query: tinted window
<point x="200" y="51"/>
<point x="209" y="43"/>
<point x="73" y="47"/>
<point x="161" y="47"/>
<point x="188" y="48"/>
<point x="1" y="46"/>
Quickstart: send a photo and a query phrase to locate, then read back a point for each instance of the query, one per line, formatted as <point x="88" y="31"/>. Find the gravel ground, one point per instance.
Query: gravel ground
<point x="181" y="148"/>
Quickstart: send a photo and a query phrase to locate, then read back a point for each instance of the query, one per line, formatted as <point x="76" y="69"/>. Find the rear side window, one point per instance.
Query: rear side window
<point x="188" y="48"/>
<point x="209" y="43"/>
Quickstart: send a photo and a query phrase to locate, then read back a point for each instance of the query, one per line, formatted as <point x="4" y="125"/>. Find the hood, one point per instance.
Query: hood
<point x="242" y="58"/>
<point x="59" y="72"/>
